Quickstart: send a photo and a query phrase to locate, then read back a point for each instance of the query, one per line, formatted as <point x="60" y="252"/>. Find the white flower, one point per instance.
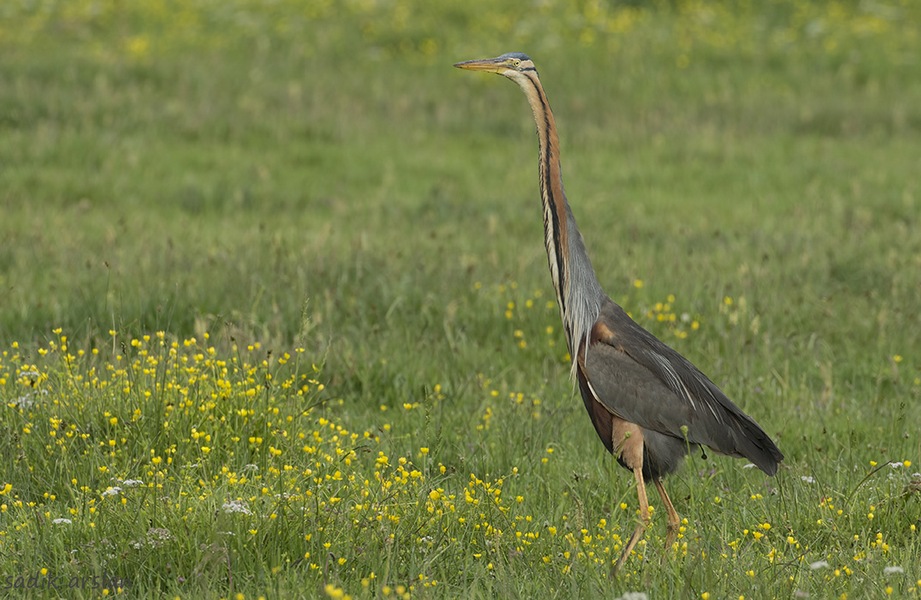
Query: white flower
<point x="808" y="479"/>
<point x="112" y="491"/>
<point x="748" y="466"/>
<point x="896" y="465"/>
<point x="132" y="482"/>
<point x="62" y="521"/>
<point x="236" y="506"/>
<point x="893" y="569"/>
<point x="819" y="564"/>
<point x="634" y="596"/>
<point x="25" y="402"/>
<point x="157" y="535"/>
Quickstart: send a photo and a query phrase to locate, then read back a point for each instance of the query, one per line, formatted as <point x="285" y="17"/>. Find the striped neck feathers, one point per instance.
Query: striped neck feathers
<point x="578" y="292"/>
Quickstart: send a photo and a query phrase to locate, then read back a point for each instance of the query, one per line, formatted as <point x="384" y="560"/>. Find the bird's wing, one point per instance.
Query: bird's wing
<point x="641" y="380"/>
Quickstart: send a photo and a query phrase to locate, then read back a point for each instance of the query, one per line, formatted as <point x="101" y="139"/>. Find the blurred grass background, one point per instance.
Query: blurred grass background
<point x="289" y="168"/>
<point x="317" y="173"/>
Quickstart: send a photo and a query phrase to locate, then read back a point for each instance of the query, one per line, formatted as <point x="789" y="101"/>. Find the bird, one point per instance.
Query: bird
<point x="649" y="404"/>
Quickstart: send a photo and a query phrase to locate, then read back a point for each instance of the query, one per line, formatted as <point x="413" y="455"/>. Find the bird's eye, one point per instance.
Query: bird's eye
<point x="516" y="62"/>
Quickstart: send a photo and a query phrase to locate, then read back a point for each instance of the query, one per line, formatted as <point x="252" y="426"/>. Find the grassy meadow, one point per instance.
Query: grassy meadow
<point x="276" y="322"/>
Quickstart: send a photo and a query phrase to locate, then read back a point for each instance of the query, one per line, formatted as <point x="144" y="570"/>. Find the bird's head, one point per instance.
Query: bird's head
<point x="511" y="65"/>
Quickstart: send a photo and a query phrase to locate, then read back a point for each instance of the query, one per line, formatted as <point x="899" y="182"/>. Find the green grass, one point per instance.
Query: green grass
<point x="331" y="240"/>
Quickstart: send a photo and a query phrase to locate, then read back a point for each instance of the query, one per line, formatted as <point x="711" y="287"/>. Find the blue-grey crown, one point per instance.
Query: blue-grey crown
<point x="518" y="55"/>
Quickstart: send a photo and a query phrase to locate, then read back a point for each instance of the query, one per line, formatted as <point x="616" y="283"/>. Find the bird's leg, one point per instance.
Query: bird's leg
<point x="674" y="522"/>
<point x="644" y="519"/>
<point x="627" y="441"/>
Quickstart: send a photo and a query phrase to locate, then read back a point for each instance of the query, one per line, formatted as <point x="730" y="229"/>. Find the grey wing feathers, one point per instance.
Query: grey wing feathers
<point x="678" y="395"/>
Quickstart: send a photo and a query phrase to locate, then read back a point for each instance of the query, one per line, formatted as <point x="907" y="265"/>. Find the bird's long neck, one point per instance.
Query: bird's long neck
<point x="577" y="289"/>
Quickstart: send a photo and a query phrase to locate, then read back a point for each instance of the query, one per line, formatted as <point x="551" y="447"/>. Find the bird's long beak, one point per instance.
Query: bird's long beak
<point x="490" y="65"/>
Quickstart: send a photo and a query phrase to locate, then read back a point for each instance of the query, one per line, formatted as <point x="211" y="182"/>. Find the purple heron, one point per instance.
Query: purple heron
<point x="649" y="405"/>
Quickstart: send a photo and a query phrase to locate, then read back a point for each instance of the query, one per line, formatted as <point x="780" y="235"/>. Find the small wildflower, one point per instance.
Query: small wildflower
<point x="236" y="506"/>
